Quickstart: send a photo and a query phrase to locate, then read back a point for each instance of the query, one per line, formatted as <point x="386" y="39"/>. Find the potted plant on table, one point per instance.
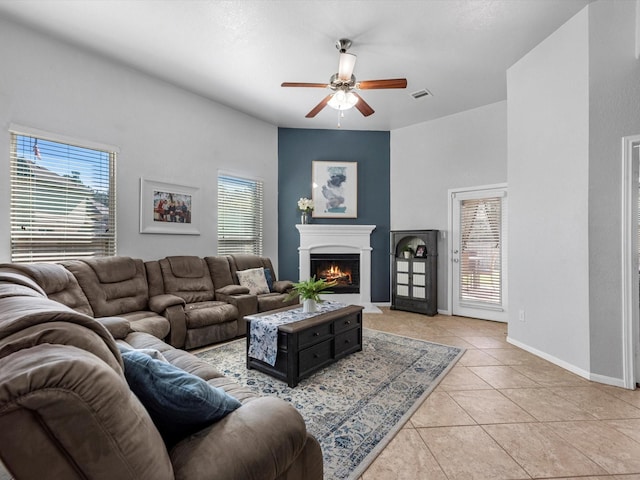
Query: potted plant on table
<point x="309" y="291"/>
<point x="407" y="251"/>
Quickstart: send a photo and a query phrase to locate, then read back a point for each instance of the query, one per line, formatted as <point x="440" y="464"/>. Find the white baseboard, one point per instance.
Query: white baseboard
<point x="616" y="382"/>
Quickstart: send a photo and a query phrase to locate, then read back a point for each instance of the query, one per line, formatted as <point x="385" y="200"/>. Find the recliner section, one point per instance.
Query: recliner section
<point x="188" y="301"/>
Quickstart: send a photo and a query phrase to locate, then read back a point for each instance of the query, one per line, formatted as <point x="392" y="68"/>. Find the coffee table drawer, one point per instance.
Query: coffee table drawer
<point x="314" y="357"/>
<point x="314" y="335"/>
<point x="346" y="323"/>
<point x="348" y="342"/>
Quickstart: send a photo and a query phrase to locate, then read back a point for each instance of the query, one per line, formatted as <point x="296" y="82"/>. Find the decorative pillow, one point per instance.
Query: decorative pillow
<point x="269" y="277"/>
<point x="178" y="402"/>
<point x="254" y="280"/>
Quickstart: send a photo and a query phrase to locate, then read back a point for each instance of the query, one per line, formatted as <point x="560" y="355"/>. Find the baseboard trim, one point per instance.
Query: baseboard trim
<point x="616" y="382"/>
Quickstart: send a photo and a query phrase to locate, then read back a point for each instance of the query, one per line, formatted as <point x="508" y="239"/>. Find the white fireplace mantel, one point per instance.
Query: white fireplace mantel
<point x="324" y="238"/>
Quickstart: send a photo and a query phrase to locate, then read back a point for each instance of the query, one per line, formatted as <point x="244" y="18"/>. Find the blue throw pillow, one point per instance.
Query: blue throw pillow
<point x="269" y="277"/>
<point x="178" y="402"/>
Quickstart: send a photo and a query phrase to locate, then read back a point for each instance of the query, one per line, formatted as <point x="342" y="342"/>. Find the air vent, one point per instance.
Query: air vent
<point x="421" y="93"/>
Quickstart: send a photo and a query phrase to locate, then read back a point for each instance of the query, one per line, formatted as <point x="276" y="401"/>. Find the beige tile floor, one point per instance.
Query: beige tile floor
<point x="502" y="413"/>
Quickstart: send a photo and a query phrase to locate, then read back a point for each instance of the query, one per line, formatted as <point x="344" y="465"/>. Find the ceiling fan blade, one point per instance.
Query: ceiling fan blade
<point x="300" y="84"/>
<point x="364" y="107"/>
<point x="377" y="84"/>
<point x="315" y="110"/>
<point x="346" y="66"/>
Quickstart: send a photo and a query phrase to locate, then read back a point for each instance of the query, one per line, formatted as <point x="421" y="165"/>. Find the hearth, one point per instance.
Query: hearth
<point x="344" y="269"/>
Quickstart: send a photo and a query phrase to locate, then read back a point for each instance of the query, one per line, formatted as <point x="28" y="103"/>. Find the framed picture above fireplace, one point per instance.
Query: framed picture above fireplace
<point x="335" y="189"/>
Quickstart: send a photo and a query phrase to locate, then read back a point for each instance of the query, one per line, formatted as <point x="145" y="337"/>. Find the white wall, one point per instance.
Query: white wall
<point x="548" y="178"/>
<point x="164" y="133"/>
<point x="614" y="112"/>
<point x="461" y="150"/>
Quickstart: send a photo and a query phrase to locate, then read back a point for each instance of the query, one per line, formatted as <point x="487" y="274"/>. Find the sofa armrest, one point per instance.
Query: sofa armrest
<point x="282" y="286"/>
<point x="262" y="439"/>
<point x="178" y="324"/>
<point x="159" y="303"/>
<point x="118" y="327"/>
<point x="232" y="290"/>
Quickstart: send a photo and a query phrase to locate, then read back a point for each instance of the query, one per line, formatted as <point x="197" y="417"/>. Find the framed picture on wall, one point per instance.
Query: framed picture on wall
<point x="421" y="251"/>
<point x="168" y="208"/>
<point x="335" y="189"/>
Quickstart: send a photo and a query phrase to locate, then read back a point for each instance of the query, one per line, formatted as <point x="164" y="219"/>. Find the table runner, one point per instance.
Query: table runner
<point x="263" y="333"/>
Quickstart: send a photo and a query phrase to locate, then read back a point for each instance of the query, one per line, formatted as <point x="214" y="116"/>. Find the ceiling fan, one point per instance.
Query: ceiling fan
<point x="344" y="85"/>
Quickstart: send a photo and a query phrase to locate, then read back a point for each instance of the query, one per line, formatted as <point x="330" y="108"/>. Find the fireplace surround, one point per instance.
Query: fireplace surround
<point x="337" y="240"/>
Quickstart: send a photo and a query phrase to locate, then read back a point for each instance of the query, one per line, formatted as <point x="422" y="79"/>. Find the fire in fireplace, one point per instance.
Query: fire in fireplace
<point x="344" y="268"/>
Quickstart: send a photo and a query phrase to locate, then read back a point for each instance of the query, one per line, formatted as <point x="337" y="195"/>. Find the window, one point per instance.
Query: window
<point x="239" y="215"/>
<point x="481" y="250"/>
<point x="62" y="200"/>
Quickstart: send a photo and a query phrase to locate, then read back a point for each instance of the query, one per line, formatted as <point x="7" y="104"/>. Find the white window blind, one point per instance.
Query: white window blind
<point x="62" y="200"/>
<point x="481" y="250"/>
<point x="240" y="221"/>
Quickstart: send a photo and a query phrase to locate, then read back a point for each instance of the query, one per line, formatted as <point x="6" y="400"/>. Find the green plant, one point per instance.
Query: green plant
<point x="311" y="289"/>
<point x="407" y="248"/>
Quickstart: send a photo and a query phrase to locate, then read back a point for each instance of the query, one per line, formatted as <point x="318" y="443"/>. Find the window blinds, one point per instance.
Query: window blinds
<point x="481" y="250"/>
<point x="240" y="219"/>
<point x="62" y="200"/>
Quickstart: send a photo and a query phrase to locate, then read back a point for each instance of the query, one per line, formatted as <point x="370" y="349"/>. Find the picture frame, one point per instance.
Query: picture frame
<point x="334" y="189"/>
<point x="169" y="208"/>
<point x="421" y="251"/>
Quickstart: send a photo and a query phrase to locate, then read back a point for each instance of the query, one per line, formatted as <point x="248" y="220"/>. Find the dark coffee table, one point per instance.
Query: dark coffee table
<point x="306" y="346"/>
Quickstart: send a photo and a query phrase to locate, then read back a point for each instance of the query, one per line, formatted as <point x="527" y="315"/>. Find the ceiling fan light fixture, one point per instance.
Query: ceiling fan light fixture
<point x="342" y="100"/>
<point x="345" y="66"/>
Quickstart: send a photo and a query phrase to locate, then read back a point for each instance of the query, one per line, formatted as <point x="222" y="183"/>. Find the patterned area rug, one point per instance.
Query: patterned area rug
<point x="355" y="406"/>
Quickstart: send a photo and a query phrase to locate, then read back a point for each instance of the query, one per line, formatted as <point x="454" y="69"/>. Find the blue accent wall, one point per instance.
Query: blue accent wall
<point x="297" y="148"/>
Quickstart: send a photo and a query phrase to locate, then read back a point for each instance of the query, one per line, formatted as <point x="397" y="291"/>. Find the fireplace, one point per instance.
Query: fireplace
<point x="336" y="241"/>
<point x="343" y="268"/>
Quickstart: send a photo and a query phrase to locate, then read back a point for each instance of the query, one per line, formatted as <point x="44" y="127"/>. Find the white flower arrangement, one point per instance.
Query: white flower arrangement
<point x="305" y="205"/>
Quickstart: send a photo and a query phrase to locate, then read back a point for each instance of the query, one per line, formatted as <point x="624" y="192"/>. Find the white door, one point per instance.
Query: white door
<point x="478" y="252"/>
<point x="631" y="260"/>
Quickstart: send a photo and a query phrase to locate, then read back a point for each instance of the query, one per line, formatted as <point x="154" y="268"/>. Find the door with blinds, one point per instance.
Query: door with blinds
<point x="478" y="253"/>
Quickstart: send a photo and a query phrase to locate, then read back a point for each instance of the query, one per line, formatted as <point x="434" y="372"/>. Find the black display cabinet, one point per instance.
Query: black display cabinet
<point x="414" y="280"/>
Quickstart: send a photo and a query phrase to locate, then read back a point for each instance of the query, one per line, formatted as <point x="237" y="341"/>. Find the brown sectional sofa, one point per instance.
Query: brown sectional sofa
<point x="66" y="410"/>
<point x="187" y="300"/>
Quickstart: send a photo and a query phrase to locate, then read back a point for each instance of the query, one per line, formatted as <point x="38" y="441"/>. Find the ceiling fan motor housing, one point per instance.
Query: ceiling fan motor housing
<point x="336" y="84"/>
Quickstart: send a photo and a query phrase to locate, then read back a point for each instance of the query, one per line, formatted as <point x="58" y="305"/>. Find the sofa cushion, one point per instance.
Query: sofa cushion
<point x="178" y="402"/>
<point x="113" y="269"/>
<point x="108" y="296"/>
<point x="188" y="278"/>
<point x="148" y="322"/>
<point x="203" y="314"/>
<point x="254" y="280"/>
<point x="273" y="301"/>
<point x="187" y="266"/>
<point x="220" y="271"/>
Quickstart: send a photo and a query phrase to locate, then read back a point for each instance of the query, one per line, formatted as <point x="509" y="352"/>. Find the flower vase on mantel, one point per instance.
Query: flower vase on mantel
<point x="305" y="205"/>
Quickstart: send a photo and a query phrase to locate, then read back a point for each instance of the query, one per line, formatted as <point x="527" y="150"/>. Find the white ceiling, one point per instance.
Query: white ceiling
<point x="239" y="52"/>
